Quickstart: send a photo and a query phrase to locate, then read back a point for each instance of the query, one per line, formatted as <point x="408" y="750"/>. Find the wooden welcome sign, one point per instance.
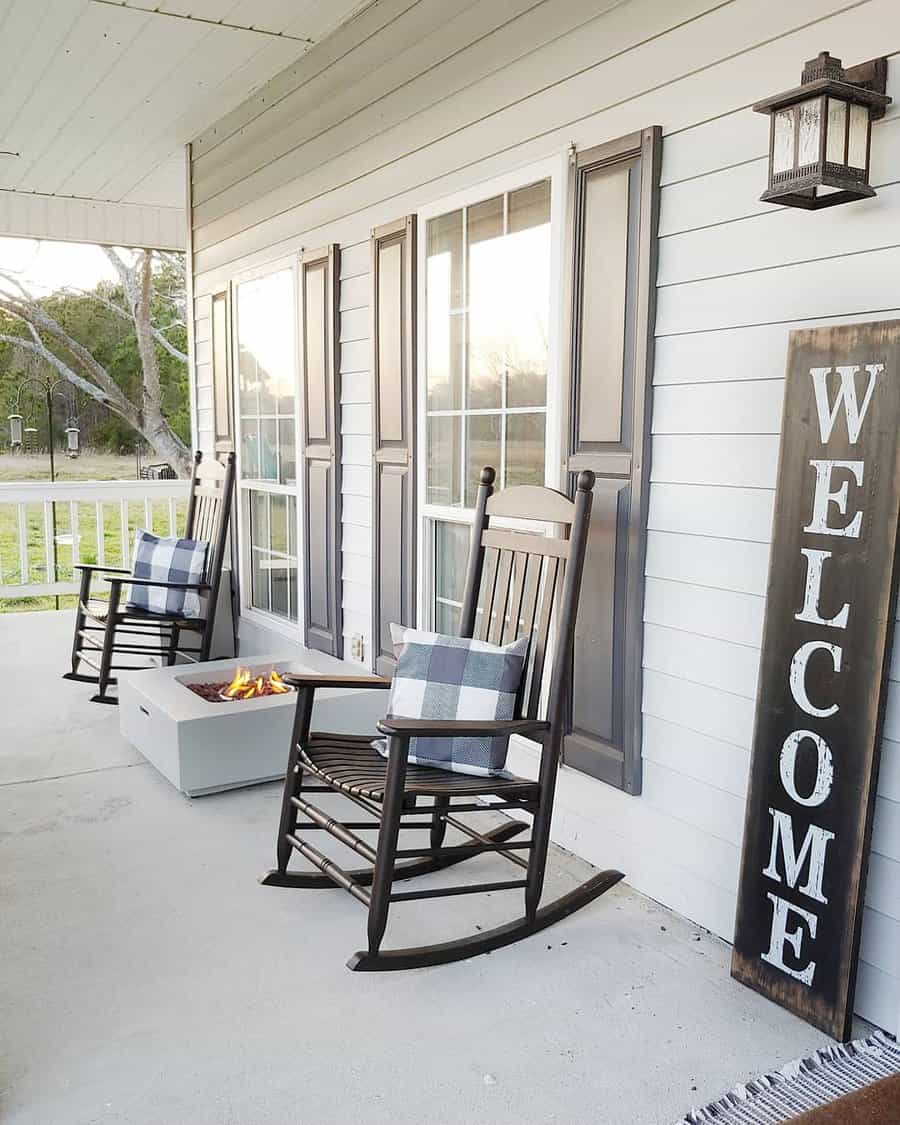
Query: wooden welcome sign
<point x="822" y="688"/>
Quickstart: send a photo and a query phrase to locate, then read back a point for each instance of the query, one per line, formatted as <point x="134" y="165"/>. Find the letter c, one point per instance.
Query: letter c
<point x="799" y="662"/>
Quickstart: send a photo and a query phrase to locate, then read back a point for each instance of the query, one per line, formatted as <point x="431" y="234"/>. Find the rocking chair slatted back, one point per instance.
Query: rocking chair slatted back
<point x="209" y="508"/>
<point x="515" y="582"/>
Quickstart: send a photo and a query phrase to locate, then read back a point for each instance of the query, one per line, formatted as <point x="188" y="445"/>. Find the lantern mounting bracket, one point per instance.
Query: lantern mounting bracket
<point x="871" y="75"/>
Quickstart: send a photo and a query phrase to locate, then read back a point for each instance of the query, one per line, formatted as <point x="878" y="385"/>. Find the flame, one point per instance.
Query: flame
<point x="244" y="686"/>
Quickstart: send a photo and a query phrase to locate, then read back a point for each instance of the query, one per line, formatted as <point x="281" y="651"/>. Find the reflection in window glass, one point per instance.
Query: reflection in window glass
<point x="486" y="351"/>
<point x="525" y="448"/>
<point x="265" y="332"/>
<point x="482" y="448"/>
<point x="487" y="343"/>
<point x="451" y="555"/>
<point x="273" y="555"/>
<point x="444" y="445"/>
<point x="444" y="321"/>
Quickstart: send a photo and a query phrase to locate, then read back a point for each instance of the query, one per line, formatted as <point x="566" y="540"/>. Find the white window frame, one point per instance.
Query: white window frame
<point x="556" y="170"/>
<point x="293" y="630"/>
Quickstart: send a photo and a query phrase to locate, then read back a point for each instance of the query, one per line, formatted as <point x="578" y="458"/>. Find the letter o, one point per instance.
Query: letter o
<point x="824" y="768"/>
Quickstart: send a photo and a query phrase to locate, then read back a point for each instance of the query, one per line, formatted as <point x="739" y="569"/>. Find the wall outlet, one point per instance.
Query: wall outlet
<point x="358" y="648"/>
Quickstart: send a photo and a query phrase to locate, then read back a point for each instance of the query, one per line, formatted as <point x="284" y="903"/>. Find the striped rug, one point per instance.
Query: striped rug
<point x="803" y="1085"/>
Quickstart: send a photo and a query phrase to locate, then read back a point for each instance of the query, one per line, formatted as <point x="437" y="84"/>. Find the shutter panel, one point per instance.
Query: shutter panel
<point x="320" y="462"/>
<point x="222" y="395"/>
<point x="613" y="243"/>
<point x="393" y="433"/>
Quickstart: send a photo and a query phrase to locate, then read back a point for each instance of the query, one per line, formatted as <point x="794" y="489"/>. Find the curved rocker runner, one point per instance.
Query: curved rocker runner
<point x="517" y="585"/>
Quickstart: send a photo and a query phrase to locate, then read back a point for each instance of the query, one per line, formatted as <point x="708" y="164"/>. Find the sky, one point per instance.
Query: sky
<point x="45" y="266"/>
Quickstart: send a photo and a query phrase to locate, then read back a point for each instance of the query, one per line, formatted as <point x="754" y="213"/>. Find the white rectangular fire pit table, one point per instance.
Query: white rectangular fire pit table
<point x="204" y="747"/>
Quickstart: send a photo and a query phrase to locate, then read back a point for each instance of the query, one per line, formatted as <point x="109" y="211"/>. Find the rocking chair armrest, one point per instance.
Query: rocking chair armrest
<point x="95" y="569"/>
<point x="461" y="728"/>
<point x="324" y="680"/>
<point x="200" y="587"/>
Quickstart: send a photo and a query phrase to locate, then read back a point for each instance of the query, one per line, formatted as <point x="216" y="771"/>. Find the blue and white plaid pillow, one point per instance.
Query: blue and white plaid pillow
<point x="167" y="560"/>
<point x="439" y="677"/>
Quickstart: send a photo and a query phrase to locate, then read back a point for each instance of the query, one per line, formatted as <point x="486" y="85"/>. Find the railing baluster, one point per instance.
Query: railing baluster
<point x="123" y="533"/>
<point x="101" y="535"/>
<point x="73" y="526"/>
<point x="23" y="544"/>
<point x="30" y="555"/>
<point x="48" y="540"/>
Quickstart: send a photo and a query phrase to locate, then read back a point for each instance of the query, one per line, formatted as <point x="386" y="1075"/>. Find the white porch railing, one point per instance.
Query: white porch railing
<point x="94" y="523"/>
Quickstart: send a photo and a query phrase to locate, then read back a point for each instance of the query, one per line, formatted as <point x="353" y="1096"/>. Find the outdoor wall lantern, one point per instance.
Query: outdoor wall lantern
<point x="820" y="134"/>
<point x="15" y="431"/>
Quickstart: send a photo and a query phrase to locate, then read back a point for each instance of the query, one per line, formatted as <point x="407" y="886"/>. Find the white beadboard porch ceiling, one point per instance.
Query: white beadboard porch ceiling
<point x="98" y="97"/>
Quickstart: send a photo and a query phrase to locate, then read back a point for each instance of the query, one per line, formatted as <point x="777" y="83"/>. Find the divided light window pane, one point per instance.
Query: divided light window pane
<point x="487" y="343"/>
<point x="273" y="553"/>
<point x="265" y="332"/>
<point x="451" y="554"/>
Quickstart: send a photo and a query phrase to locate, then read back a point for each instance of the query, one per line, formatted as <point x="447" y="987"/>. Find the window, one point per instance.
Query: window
<point x="266" y="378"/>
<point x="265" y="335"/>
<point x="487" y="269"/>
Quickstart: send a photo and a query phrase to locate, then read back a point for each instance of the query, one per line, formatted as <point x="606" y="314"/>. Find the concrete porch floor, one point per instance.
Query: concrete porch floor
<point x="147" y="978"/>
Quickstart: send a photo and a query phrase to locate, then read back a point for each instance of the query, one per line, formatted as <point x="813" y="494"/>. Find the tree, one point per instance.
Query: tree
<point x="143" y="316"/>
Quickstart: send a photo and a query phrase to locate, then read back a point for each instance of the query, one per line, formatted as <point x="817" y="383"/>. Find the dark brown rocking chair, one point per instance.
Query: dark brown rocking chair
<point x="517" y="584"/>
<point x="104" y="631"/>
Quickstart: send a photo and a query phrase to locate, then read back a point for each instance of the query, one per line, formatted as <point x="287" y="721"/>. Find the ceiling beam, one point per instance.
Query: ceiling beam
<point x="58" y="218"/>
<point x="129" y="7"/>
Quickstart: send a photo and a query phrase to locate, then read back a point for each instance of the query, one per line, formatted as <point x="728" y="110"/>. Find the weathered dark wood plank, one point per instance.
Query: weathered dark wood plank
<point x="829" y="619"/>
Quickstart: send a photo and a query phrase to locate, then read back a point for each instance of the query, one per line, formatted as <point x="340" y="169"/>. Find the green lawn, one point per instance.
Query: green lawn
<point x="91" y="467"/>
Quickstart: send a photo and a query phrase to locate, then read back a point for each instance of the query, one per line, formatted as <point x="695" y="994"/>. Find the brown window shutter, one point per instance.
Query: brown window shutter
<point x="393" y="433"/>
<point x="223" y="408"/>
<point x="320" y="436"/>
<point x="613" y="281"/>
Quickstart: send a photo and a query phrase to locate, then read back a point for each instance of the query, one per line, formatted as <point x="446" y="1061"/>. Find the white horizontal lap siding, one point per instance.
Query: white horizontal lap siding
<point x="734" y="278"/>
<point x="413" y="101"/>
<point x="356" y="467"/>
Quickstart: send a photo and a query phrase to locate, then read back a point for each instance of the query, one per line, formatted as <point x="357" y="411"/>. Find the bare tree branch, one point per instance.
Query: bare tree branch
<point x="84" y="371"/>
<point x="59" y="366"/>
<point x="158" y="333"/>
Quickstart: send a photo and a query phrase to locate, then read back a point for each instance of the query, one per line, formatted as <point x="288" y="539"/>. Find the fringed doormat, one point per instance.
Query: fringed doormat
<point x="803" y="1085"/>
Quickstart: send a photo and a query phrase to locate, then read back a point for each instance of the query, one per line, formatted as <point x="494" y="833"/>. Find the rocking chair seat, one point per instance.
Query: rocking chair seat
<point x="98" y="612"/>
<point x="351" y="764"/>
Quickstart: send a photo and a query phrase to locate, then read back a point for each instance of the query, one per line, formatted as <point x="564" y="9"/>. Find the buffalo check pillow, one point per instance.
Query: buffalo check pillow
<point x="167" y="560"/>
<point x="440" y="677"/>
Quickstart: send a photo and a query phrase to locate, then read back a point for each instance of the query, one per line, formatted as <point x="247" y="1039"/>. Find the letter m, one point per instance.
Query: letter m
<point x="812" y="852"/>
<point x="846" y="397"/>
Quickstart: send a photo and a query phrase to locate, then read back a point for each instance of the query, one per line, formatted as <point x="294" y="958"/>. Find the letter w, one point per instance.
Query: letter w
<point x="828" y="412"/>
<point x="813" y="850"/>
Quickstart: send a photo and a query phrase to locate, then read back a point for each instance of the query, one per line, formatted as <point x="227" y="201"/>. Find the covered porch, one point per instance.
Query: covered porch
<point x="148" y="978"/>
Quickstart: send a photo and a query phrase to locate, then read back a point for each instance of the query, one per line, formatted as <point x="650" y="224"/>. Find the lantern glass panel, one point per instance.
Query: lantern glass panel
<point x="15" y="429"/>
<point x="783" y="141"/>
<point x="809" y="127"/>
<point x="837" y="131"/>
<point x="859" y="136"/>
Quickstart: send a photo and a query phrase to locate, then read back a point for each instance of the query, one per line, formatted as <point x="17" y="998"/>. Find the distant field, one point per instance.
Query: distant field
<point x="92" y="466"/>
